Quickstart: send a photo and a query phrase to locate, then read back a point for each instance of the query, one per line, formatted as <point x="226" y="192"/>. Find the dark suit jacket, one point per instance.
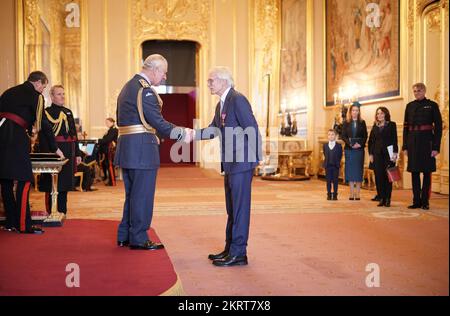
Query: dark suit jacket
<point x="332" y="157"/>
<point x="420" y="143"/>
<point x="15" y="163"/>
<point x="239" y="134"/>
<point x="380" y="139"/>
<point x="69" y="149"/>
<point x="361" y="132"/>
<point x="110" y="136"/>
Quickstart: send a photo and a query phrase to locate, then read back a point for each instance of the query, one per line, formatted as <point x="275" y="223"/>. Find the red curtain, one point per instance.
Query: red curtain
<point x="178" y="109"/>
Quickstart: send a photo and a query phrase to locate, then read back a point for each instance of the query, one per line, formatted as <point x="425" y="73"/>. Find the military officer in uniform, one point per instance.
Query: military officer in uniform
<point x="21" y="107"/>
<point x="106" y="144"/>
<point x="63" y="124"/>
<point x="422" y="132"/>
<point x="139" y="119"/>
<point x="240" y="154"/>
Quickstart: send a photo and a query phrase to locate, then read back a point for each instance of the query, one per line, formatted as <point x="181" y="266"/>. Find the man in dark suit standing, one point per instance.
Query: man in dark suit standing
<point x="21" y="107"/>
<point x="240" y="139"/>
<point x="139" y="119"/>
<point x="422" y="133"/>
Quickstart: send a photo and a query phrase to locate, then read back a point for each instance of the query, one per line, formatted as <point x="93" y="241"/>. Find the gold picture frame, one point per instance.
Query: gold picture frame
<point x="362" y="51"/>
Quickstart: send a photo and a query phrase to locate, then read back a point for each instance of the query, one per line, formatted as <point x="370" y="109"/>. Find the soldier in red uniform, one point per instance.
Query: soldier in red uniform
<point x="21" y="107"/>
<point x="63" y="124"/>
<point x="422" y="133"/>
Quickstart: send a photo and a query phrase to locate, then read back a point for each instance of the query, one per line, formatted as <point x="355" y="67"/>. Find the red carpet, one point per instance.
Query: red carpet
<point x="36" y="264"/>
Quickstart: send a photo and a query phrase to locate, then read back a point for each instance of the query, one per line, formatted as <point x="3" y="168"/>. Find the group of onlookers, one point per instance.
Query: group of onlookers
<point x="422" y="132"/>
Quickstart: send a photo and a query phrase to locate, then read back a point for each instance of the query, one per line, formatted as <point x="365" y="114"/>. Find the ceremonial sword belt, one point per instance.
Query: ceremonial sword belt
<point x="421" y="128"/>
<point x="15" y="118"/>
<point x="135" y="129"/>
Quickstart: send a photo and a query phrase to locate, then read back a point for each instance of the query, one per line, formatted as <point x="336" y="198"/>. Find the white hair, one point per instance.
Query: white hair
<point x="223" y="73"/>
<point x="154" y="61"/>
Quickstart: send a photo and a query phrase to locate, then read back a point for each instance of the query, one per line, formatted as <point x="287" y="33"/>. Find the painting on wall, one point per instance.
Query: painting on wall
<point x="293" y="62"/>
<point x="362" y="50"/>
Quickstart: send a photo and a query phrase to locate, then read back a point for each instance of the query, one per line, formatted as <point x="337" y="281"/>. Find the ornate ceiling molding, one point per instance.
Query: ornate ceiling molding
<point x="415" y="10"/>
<point x="171" y="19"/>
<point x="433" y="19"/>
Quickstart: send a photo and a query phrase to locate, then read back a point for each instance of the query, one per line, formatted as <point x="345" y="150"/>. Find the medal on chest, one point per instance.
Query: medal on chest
<point x="223" y="116"/>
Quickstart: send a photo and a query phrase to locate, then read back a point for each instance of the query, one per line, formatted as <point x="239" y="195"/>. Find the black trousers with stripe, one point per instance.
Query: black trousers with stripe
<point x="108" y="171"/>
<point x="421" y="191"/>
<point x="17" y="206"/>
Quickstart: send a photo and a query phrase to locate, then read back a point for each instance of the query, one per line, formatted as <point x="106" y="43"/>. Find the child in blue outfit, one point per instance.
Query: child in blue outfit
<point x="333" y="155"/>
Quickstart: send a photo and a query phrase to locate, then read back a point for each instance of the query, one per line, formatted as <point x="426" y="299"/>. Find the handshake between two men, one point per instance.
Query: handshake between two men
<point x="189" y="135"/>
<point x="241" y="151"/>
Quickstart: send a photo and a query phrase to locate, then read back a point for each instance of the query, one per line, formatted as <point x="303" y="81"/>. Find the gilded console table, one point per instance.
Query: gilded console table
<point x="292" y="156"/>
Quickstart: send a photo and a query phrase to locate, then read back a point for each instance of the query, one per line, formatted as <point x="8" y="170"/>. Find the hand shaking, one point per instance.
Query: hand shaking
<point x="189" y="135"/>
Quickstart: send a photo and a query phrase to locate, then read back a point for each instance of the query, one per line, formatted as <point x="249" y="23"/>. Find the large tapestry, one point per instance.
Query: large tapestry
<point x="362" y="49"/>
<point x="293" y="61"/>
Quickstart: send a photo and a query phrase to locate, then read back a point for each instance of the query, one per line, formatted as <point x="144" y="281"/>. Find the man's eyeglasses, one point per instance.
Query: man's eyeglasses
<point x="210" y="81"/>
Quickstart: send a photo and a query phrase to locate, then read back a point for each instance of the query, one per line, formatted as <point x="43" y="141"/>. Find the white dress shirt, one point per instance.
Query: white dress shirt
<point x="223" y="97"/>
<point x="145" y="77"/>
<point x="331" y="144"/>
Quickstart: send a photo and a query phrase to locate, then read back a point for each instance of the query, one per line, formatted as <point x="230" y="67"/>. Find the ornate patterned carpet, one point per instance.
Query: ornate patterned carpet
<point x="195" y="191"/>
<point x="300" y="243"/>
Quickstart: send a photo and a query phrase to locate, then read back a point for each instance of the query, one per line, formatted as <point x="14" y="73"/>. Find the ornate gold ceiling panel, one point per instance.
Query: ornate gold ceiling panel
<point x="171" y="19"/>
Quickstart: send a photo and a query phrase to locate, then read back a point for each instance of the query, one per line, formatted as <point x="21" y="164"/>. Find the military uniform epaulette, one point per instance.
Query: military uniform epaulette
<point x="144" y="83"/>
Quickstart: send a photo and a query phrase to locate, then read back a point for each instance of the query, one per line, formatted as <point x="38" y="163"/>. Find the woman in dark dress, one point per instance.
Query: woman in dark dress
<point x="382" y="136"/>
<point x="354" y="134"/>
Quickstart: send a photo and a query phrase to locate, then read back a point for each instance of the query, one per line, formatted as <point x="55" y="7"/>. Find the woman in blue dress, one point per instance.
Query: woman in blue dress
<point x="354" y="134"/>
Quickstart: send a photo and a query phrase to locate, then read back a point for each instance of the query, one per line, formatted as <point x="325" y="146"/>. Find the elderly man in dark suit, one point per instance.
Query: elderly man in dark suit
<point x="139" y="119"/>
<point x="240" y="139"/>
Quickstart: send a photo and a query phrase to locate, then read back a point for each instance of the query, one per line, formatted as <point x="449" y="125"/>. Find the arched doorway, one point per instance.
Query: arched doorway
<point x="434" y="72"/>
<point x="179" y="91"/>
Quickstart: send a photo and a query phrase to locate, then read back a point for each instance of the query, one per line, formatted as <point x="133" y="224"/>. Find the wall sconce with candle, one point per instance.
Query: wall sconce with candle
<point x="343" y="99"/>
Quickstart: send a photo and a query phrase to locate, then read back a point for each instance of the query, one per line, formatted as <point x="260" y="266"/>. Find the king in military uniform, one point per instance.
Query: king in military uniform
<point x="422" y="132"/>
<point x="139" y="119"/>
<point x="21" y="107"/>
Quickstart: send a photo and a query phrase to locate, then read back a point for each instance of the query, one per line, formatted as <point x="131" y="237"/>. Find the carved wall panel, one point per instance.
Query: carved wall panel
<point x="50" y="46"/>
<point x="174" y="20"/>
<point x="266" y="42"/>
